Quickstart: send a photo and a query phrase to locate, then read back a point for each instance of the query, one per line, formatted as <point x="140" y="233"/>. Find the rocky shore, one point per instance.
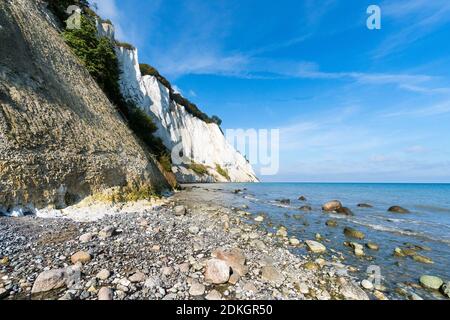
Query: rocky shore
<point x="180" y="247"/>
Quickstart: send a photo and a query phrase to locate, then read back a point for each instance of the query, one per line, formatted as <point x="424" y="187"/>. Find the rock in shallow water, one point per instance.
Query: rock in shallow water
<point x="333" y="205"/>
<point x="331" y="223"/>
<point x="372" y="246"/>
<point x="315" y="246"/>
<point x="353" y="233"/>
<point x="345" y="211"/>
<point x="398" y="209"/>
<point x="364" y="205"/>
<point x="445" y="289"/>
<point x="431" y="282"/>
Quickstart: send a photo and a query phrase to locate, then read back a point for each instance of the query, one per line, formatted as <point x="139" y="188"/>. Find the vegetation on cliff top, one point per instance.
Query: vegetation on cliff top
<point x="191" y="108"/>
<point x="99" y="58"/>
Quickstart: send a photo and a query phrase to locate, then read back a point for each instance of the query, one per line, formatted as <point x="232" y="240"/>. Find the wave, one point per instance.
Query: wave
<point x="403" y="232"/>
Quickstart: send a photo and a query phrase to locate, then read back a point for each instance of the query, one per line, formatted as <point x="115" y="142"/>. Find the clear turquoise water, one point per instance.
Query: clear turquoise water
<point x="428" y="223"/>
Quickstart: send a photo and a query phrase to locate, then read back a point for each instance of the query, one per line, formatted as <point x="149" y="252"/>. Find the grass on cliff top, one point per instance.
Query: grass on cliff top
<point x="222" y="172"/>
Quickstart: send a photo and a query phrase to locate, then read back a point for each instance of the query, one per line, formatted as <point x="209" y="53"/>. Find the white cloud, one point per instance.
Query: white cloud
<point x="433" y="110"/>
<point x="414" y="19"/>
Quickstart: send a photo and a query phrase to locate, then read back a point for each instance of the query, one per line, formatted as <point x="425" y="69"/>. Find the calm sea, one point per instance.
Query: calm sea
<point x="427" y="225"/>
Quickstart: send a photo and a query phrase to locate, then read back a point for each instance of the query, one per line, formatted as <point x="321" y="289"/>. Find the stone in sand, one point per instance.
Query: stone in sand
<point x="398" y="209"/>
<point x="106" y="232"/>
<point x="271" y="274"/>
<point x="294" y="242"/>
<point x="332" y="206"/>
<point x="315" y="246"/>
<point x="80" y="256"/>
<point x="234" y="258"/>
<point x="351" y="291"/>
<point x="57" y="278"/>
<point x="431" y="282"/>
<point x="213" y="295"/>
<point x="197" y="289"/>
<point x="105" y="293"/>
<point x="217" y="271"/>
<point x="137" y="277"/>
<point x="49" y="280"/>
<point x="179" y="210"/>
<point x="86" y="237"/>
<point x="353" y="233"/>
<point x="103" y="274"/>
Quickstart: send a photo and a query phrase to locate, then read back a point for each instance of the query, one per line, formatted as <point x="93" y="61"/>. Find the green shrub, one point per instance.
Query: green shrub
<point x="166" y="161"/>
<point x="148" y="70"/>
<point x="198" y="168"/>
<point x="222" y="172"/>
<point x="99" y="58"/>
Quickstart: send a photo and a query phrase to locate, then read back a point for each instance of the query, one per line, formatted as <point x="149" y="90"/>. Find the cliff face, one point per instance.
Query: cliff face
<point x="201" y="142"/>
<point x="60" y="137"/>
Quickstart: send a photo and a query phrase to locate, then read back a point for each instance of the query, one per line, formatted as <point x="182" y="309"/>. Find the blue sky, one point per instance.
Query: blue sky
<point x="351" y="104"/>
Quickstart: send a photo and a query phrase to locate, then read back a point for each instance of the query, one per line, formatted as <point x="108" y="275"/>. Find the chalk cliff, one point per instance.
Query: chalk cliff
<point x="60" y="137"/>
<point x="202" y="143"/>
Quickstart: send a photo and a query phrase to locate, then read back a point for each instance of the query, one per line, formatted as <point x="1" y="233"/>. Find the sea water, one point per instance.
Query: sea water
<point x="427" y="224"/>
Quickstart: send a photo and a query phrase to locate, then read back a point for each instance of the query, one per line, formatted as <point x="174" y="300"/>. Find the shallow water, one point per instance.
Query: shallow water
<point x="427" y="225"/>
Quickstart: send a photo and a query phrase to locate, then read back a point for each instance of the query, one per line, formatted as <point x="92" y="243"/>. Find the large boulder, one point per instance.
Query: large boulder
<point x="431" y="282"/>
<point x="345" y="211"/>
<point x="56" y="278"/>
<point x="315" y="246"/>
<point x="235" y="258"/>
<point x="353" y="233"/>
<point x="332" y="206"/>
<point x="398" y="209"/>
<point x="217" y="271"/>
<point x="352" y="291"/>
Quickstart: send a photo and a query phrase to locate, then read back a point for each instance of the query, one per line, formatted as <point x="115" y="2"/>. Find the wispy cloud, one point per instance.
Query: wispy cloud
<point x="433" y="110"/>
<point x="414" y="19"/>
